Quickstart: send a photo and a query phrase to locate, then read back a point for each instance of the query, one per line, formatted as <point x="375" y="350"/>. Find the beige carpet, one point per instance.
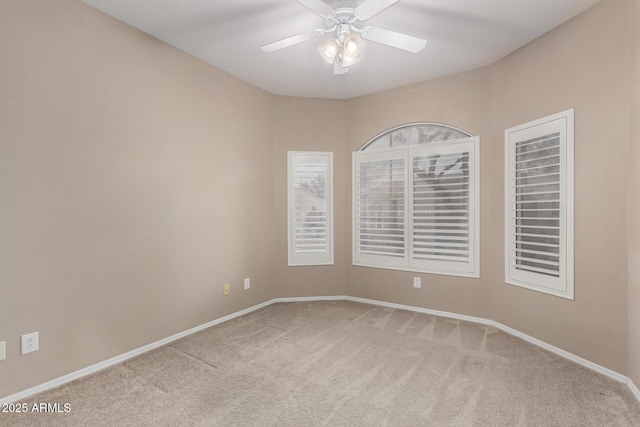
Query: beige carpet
<point x="342" y="364"/>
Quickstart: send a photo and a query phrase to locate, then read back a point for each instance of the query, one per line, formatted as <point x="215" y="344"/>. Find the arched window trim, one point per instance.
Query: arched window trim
<point x="400" y="223"/>
<point x="407" y="125"/>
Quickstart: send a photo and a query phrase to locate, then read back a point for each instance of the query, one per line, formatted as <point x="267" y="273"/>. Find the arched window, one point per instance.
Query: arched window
<point x="417" y="133"/>
<point x="416" y="200"/>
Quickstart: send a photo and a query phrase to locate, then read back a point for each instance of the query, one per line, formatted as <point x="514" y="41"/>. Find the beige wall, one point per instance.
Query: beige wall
<point x="302" y="124"/>
<point x="130" y="174"/>
<point x="461" y="101"/>
<point x="634" y="202"/>
<point x="583" y="64"/>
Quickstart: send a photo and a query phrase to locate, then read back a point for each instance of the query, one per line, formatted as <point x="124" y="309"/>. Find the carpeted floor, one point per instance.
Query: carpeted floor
<point x="341" y="363"/>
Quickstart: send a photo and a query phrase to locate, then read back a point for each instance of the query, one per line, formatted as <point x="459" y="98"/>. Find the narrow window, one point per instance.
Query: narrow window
<point x="539" y="205"/>
<point x="310" y="208"/>
<point x="415" y="204"/>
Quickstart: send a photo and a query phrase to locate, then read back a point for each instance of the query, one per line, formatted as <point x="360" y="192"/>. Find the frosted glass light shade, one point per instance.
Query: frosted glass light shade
<point x="348" y="60"/>
<point x="353" y="45"/>
<point x="329" y="50"/>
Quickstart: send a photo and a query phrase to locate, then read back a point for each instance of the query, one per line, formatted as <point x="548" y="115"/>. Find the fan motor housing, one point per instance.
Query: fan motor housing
<point x="345" y="20"/>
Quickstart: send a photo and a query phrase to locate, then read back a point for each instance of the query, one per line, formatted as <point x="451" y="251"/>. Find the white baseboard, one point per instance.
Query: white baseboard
<point x="123" y="357"/>
<point x="305" y="299"/>
<point x="553" y="349"/>
<point x="421" y="310"/>
<point x="560" y="352"/>
<point x="634" y="389"/>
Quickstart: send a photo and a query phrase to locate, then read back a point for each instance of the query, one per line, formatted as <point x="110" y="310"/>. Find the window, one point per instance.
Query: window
<point x="539" y="205"/>
<point x="415" y="201"/>
<point x="310" y="208"/>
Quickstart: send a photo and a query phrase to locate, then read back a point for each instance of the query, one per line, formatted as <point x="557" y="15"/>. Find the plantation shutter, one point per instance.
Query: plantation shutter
<point x="310" y="209"/>
<point x="443" y="192"/>
<point x="538" y="204"/>
<point x="415" y="208"/>
<point x="380" y="208"/>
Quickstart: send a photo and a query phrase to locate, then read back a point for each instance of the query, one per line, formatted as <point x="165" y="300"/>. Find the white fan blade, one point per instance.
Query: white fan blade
<point x="338" y="69"/>
<point x="290" y="41"/>
<point x="371" y="8"/>
<point x="394" y="39"/>
<point x="318" y="6"/>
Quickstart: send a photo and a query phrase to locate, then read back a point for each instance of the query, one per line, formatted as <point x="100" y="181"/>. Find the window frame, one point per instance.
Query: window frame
<point x="299" y="259"/>
<point x="370" y="145"/>
<point x="562" y="286"/>
<point x="407" y="153"/>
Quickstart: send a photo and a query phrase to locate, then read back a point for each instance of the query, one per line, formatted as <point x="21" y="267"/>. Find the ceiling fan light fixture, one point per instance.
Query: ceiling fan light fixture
<point x="346" y="22"/>
<point x="348" y="60"/>
<point x="338" y="68"/>
<point x="353" y="45"/>
<point x="329" y="50"/>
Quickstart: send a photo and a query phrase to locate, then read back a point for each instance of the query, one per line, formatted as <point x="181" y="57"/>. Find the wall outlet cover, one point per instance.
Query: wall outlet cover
<point x="29" y="343"/>
<point x="247" y="283"/>
<point x="3" y="350"/>
<point x="417" y="282"/>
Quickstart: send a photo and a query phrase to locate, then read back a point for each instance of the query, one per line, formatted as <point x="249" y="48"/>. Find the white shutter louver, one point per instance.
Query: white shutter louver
<point x="310" y="208"/>
<point x="380" y="209"/>
<point x="442" y="206"/>
<point x="539" y="205"/>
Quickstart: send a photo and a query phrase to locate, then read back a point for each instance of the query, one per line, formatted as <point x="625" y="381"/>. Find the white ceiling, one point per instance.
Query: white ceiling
<point x="462" y="34"/>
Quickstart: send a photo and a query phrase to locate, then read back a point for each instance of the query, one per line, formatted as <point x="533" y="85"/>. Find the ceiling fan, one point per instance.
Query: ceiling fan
<point x="347" y="23"/>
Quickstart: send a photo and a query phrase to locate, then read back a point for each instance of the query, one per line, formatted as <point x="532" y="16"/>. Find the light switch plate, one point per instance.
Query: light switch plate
<point x="3" y="350"/>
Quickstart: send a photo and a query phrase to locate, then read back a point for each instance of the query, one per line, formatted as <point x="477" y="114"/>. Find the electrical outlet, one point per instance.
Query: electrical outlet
<point x="226" y="290"/>
<point x="29" y="343"/>
<point x="3" y="350"/>
<point x="247" y="283"/>
<point x="417" y="282"/>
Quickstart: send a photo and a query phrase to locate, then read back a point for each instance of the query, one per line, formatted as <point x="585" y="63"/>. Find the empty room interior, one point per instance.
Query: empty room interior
<point x="198" y="231"/>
